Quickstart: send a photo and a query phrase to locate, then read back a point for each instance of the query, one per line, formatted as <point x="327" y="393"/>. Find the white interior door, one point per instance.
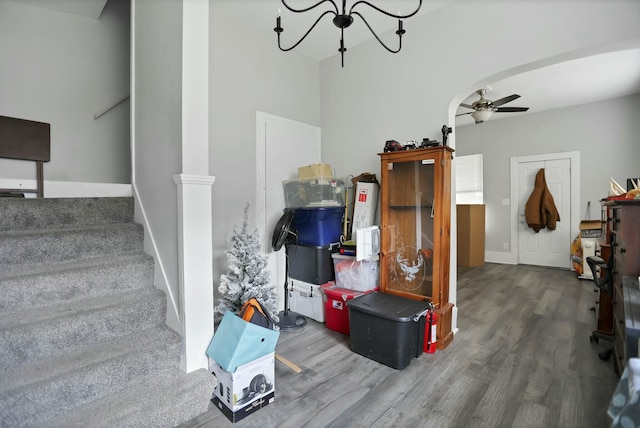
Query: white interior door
<point x="283" y="145"/>
<point x="547" y="247"/>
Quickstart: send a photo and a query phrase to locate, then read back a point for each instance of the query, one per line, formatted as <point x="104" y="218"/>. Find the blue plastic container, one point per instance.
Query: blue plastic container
<point x="317" y="225"/>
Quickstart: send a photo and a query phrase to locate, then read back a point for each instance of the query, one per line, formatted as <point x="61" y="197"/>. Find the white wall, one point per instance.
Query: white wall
<point x="62" y="69"/>
<point x="249" y="74"/>
<point x="157" y="136"/>
<point x="446" y="55"/>
<point x="605" y="133"/>
<point x="379" y="96"/>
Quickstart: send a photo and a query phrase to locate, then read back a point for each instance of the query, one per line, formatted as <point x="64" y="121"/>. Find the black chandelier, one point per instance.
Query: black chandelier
<point x="343" y="20"/>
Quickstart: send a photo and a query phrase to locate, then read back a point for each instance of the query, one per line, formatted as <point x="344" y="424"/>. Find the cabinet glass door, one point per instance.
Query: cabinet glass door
<point x="409" y="250"/>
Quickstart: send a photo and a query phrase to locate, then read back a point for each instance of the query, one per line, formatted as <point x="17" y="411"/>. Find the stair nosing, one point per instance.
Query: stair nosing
<point x="71" y="310"/>
<point x="73" y="265"/>
<point x="97" y="354"/>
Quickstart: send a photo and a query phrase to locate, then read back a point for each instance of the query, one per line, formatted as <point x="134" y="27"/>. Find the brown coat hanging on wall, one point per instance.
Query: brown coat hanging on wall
<point x="540" y="210"/>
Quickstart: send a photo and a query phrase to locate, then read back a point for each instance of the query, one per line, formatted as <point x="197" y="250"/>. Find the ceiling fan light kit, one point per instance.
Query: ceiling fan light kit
<point x="483" y="108"/>
<point x="481" y="115"/>
<point x="343" y="19"/>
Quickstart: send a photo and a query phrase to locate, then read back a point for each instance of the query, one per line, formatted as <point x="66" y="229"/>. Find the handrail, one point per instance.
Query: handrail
<point x="121" y="100"/>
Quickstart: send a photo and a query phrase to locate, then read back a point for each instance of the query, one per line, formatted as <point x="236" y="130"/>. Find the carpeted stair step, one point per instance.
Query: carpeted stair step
<point x="40" y="287"/>
<point x="83" y="339"/>
<point x="57" y="213"/>
<point x="91" y="376"/>
<point x="74" y="327"/>
<point x="25" y="249"/>
<point x="164" y="402"/>
<point x="57" y="386"/>
<point x="46" y="369"/>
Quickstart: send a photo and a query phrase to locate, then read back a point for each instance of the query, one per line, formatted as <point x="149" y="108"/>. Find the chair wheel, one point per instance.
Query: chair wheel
<point x="605" y="355"/>
<point x="593" y="339"/>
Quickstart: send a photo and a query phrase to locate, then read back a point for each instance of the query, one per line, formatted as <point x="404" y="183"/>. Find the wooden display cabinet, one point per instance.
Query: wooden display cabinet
<point x="415" y="219"/>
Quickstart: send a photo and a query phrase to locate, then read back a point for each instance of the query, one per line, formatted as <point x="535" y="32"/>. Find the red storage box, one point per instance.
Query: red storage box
<point x="336" y="313"/>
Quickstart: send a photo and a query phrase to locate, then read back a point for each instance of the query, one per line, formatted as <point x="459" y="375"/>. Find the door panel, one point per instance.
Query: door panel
<point x="283" y="146"/>
<point x="547" y="247"/>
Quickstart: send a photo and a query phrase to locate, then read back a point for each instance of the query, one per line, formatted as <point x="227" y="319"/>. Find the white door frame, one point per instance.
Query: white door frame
<point x="276" y="260"/>
<point x="574" y="221"/>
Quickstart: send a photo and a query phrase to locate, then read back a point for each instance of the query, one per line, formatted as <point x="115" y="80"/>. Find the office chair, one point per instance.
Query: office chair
<point x="604" y="282"/>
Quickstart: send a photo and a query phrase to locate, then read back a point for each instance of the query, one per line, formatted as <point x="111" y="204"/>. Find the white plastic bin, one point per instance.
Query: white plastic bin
<point x="306" y="299"/>
<point x="356" y="275"/>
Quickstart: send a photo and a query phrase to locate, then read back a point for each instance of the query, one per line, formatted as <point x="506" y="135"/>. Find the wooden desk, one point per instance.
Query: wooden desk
<point x="624" y="224"/>
<point x="26" y="140"/>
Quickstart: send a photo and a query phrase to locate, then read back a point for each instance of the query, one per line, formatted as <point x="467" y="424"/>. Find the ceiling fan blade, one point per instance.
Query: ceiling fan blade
<point x="463" y="114"/>
<point x="466" y="105"/>
<point x="511" y="109"/>
<point x="505" y="100"/>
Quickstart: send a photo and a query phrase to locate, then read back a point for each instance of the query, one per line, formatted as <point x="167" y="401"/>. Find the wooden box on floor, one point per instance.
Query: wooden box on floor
<point x="471" y="225"/>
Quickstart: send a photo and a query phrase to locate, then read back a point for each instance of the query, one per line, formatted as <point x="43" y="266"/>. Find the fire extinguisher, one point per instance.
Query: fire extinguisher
<point x="430" y="336"/>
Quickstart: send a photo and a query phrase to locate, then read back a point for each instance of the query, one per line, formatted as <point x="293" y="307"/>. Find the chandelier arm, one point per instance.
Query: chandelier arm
<point x="378" y="38"/>
<point x="305" y="34"/>
<point x="312" y="7"/>
<point x="342" y="48"/>
<point x="381" y="10"/>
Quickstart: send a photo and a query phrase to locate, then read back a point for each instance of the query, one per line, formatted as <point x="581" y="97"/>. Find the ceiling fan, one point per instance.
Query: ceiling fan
<point x="484" y="108"/>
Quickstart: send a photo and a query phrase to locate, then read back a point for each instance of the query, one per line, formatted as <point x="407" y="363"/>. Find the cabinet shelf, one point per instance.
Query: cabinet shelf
<point x="410" y="206"/>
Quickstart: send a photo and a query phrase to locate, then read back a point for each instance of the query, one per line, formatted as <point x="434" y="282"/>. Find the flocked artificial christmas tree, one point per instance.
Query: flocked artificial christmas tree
<point x="248" y="276"/>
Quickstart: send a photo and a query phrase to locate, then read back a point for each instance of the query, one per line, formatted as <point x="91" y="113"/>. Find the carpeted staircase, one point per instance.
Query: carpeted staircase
<point x="83" y="340"/>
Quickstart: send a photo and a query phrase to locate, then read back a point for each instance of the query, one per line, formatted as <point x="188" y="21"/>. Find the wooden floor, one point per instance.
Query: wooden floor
<point x="521" y="358"/>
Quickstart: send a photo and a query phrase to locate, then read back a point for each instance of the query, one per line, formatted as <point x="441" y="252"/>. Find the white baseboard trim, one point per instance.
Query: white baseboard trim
<point x="69" y="189"/>
<point x="500" y="257"/>
<point x="161" y="280"/>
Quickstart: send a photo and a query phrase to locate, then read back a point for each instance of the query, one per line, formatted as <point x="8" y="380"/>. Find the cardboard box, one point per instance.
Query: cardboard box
<point x="237" y="342"/>
<point x="591" y="228"/>
<point x="471" y="234"/>
<point x="247" y="390"/>
<point x="364" y="207"/>
<point x="315" y="170"/>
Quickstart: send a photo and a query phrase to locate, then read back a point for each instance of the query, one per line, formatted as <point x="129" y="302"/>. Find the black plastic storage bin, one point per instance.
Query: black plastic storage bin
<point x="387" y="328"/>
<point x="310" y="263"/>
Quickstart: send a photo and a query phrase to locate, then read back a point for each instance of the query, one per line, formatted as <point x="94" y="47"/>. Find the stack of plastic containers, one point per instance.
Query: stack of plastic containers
<point x="319" y="206"/>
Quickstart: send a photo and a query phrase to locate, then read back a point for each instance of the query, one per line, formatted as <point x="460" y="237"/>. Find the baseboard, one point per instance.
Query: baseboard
<point x="160" y="280"/>
<point x="69" y="189"/>
<point x="500" y="257"/>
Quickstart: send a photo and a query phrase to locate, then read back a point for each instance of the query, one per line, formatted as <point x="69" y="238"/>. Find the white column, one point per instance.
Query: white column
<point x="195" y="87"/>
<point x="194" y="190"/>
<point x="196" y="269"/>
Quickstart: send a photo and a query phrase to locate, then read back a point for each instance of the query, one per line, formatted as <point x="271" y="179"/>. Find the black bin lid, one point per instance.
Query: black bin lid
<point x="389" y="306"/>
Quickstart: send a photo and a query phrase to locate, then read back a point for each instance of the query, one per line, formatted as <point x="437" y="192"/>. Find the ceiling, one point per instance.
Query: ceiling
<point x="574" y="82"/>
<point x="324" y="40"/>
<point x="580" y="81"/>
<point x="89" y="8"/>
